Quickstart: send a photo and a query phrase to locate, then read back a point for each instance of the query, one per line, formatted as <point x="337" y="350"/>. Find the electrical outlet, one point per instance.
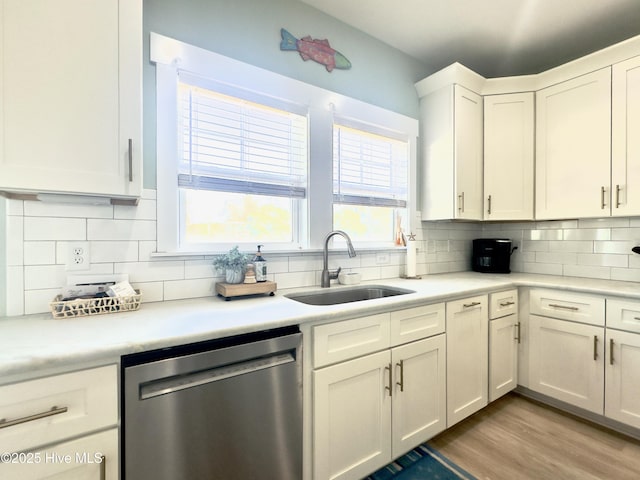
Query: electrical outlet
<point x="382" y="258"/>
<point x="78" y="256"/>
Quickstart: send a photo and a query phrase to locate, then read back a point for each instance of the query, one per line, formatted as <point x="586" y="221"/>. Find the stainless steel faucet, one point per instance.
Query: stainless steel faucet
<point x="327" y="276"/>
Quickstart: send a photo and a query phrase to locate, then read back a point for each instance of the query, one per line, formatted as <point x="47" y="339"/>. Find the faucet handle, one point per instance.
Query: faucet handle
<point x="334" y="274"/>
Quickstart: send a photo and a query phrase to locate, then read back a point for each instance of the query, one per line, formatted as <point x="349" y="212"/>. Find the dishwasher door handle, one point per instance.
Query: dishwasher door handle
<point x="176" y="383"/>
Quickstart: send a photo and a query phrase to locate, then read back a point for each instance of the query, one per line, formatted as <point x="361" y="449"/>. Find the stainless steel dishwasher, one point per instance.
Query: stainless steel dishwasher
<point x="228" y="409"/>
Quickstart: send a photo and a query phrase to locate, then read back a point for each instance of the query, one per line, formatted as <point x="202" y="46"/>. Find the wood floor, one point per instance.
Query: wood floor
<point x="516" y="438"/>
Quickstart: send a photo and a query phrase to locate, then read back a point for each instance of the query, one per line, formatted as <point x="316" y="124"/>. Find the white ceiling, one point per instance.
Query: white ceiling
<point x="493" y="37"/>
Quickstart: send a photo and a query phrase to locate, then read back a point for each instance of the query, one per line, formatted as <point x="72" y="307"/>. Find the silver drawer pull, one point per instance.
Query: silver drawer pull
<point x="472" y="304"/>
<point x="636" y="318"/>
<point x="4" y="423"/>
<point x="506" y="304"/>
<point x="566" y="307"/>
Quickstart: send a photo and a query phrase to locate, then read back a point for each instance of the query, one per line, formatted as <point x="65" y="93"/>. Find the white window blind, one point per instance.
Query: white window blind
<point x="369" y="169"/>
<point x="235" y="145"/>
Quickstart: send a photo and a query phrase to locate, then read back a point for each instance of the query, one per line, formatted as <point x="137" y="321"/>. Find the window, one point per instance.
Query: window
<point x="242" y="171"/>
<point x="370" y="184"/>
<point x="246" y="156"/>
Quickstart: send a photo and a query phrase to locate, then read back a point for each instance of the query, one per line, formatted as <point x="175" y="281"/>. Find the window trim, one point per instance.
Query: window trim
<point x="323" y="106"/>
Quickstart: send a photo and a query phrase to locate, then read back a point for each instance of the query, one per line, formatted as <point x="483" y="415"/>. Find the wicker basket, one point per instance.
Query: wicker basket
<point x="94" y="306"/>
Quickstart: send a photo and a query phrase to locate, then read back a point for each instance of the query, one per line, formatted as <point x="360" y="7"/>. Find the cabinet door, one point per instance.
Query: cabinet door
<point x="625" y="143"/>
<point x="352" y="417"/>
<point x="71" y="96"/>
<point x="623" y="377"/>
<point x="93" y="457"/>
<point x="419" y="395"/>
<point x="508" y="156"/>
<point x="468" y="153"/>
<point x="467" y="357"/>
<point x="573" y="144"/>
<point x="566" y="362"/>
<point x="503" y="356"/>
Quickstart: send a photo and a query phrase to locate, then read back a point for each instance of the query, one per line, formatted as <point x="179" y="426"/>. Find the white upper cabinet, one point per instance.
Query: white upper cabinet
<point x="508" y="156"/>
<point x="625" y="146"/>
<point x="71" y="81"/>
<point x="451" y="132"/>
<point x="573" y="145"/>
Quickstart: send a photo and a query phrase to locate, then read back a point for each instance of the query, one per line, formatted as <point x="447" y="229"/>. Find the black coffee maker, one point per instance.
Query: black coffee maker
<point x="491" y="255"/>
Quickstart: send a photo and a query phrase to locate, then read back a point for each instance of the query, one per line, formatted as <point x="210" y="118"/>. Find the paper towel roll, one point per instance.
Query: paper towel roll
<point x="412" y="249"/>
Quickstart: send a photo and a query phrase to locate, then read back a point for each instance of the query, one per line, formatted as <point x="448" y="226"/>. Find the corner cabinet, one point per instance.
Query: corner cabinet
<point x="625" y="142"/>
<point x="71" y="96"/>
<point x="508" y="156"/>
<point x="451" y="133"/>
<point x="375" y="399"/>
<point x="573" y="148"/>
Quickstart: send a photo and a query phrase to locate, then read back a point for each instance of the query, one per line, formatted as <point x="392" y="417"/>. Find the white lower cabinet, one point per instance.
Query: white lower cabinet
<point x="504" y="337"/>
<point x="622" y="364"/>
<point x="467" y="357"/>
<point x="61" y="427"/>
<point x="373" y="408"/>
<point x="566" y="361"/>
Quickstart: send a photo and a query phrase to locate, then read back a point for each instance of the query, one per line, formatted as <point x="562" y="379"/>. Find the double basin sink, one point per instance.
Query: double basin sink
<point x="347" y="295"/>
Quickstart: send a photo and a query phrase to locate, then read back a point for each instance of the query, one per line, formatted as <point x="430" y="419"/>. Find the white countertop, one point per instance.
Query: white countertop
<point x="35" y="345"/>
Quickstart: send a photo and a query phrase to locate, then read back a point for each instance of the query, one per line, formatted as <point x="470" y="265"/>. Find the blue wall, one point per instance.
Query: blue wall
<point x="249" y="30"/>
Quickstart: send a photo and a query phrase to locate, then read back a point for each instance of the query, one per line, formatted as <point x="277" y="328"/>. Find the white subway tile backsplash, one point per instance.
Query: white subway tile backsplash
<point x="50" y="228"/>
<point x="39" y="253"/>
<point x="626" y="234"/>
<point x="570" y="246"/>
<point x="587" y="234"/>
<point x="151" y="271"/>
<point x="15" y="291"/>
<point x="44" y="276"/>
<point x="535" y="246"/>
<point x="556" y="224"/>
<point x="556" y="257"/>
<point x="193" y="288"/>
<point x="150" y="291"/>
<point x="602" y="259"/>
<point x="543" y="268"/>
<point x="603" y="223"/>
<point x="37" y="301"/>
<point x="587" y="271"/>
<point x="613" y="247"/>
<point x="15" y="207"/>
<point x="121" y="229"/>
<point x="626" y="274"/>
<point x="542" y="234"/>
<point x="297" y="279"/>
<point x="113" y="251"/>
<point x="145" y="249"/>
<point x="199" y="269"/>
<point x="15" y="240"/>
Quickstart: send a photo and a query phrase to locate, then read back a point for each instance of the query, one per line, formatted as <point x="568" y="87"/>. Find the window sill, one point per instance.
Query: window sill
<point x="274" y="253"/>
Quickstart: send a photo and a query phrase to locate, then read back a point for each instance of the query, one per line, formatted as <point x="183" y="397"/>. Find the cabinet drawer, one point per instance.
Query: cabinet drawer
<point x="578" y="307"/>
<point x="417" y="323"/>
<point x="502" y="304"/>
<point x="51" y="409"/>
<point x="623" y="314"/>
<point x="335" y="342"/>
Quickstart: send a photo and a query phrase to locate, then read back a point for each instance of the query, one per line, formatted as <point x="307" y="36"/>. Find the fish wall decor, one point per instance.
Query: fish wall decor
<point x="313" y="49"/>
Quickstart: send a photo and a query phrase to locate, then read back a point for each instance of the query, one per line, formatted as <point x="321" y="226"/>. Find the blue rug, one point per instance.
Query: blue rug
<point x="422" y="463"/>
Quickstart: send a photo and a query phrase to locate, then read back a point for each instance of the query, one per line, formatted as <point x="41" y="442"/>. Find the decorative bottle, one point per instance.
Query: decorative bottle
<point x="260" y="265"/>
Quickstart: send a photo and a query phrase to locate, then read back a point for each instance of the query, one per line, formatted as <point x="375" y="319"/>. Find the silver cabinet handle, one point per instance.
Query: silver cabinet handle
<point x="131" y="160"/>
<point x="565" y="307"/>
<point x="611" y="351"/>
<point x="401" y="382"/>
<point x="602" y="193"/>
<point x="489" y="205"/>
<point x="617" y="196"/>
<point x="390" y="384"/>
<point x="461" y="202"/>
<point x="472" y="304"/>
<point x="636" y="318"/>
<point x="103" y="468"/>
<point x="595" y="347"/>
<point x="518" y="325"/>
<point x="4" y="423"/>
<point x="506" y="304"/>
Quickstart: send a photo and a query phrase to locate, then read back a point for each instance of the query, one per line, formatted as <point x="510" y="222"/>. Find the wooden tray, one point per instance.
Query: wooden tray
<point x="230" y="290"/>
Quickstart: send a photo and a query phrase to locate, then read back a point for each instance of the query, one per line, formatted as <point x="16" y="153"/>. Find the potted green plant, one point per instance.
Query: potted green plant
<point x="232" y="264"/>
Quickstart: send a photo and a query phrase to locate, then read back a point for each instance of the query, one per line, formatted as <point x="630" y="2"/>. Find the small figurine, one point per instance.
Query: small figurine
<point x="250" y="274"/>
